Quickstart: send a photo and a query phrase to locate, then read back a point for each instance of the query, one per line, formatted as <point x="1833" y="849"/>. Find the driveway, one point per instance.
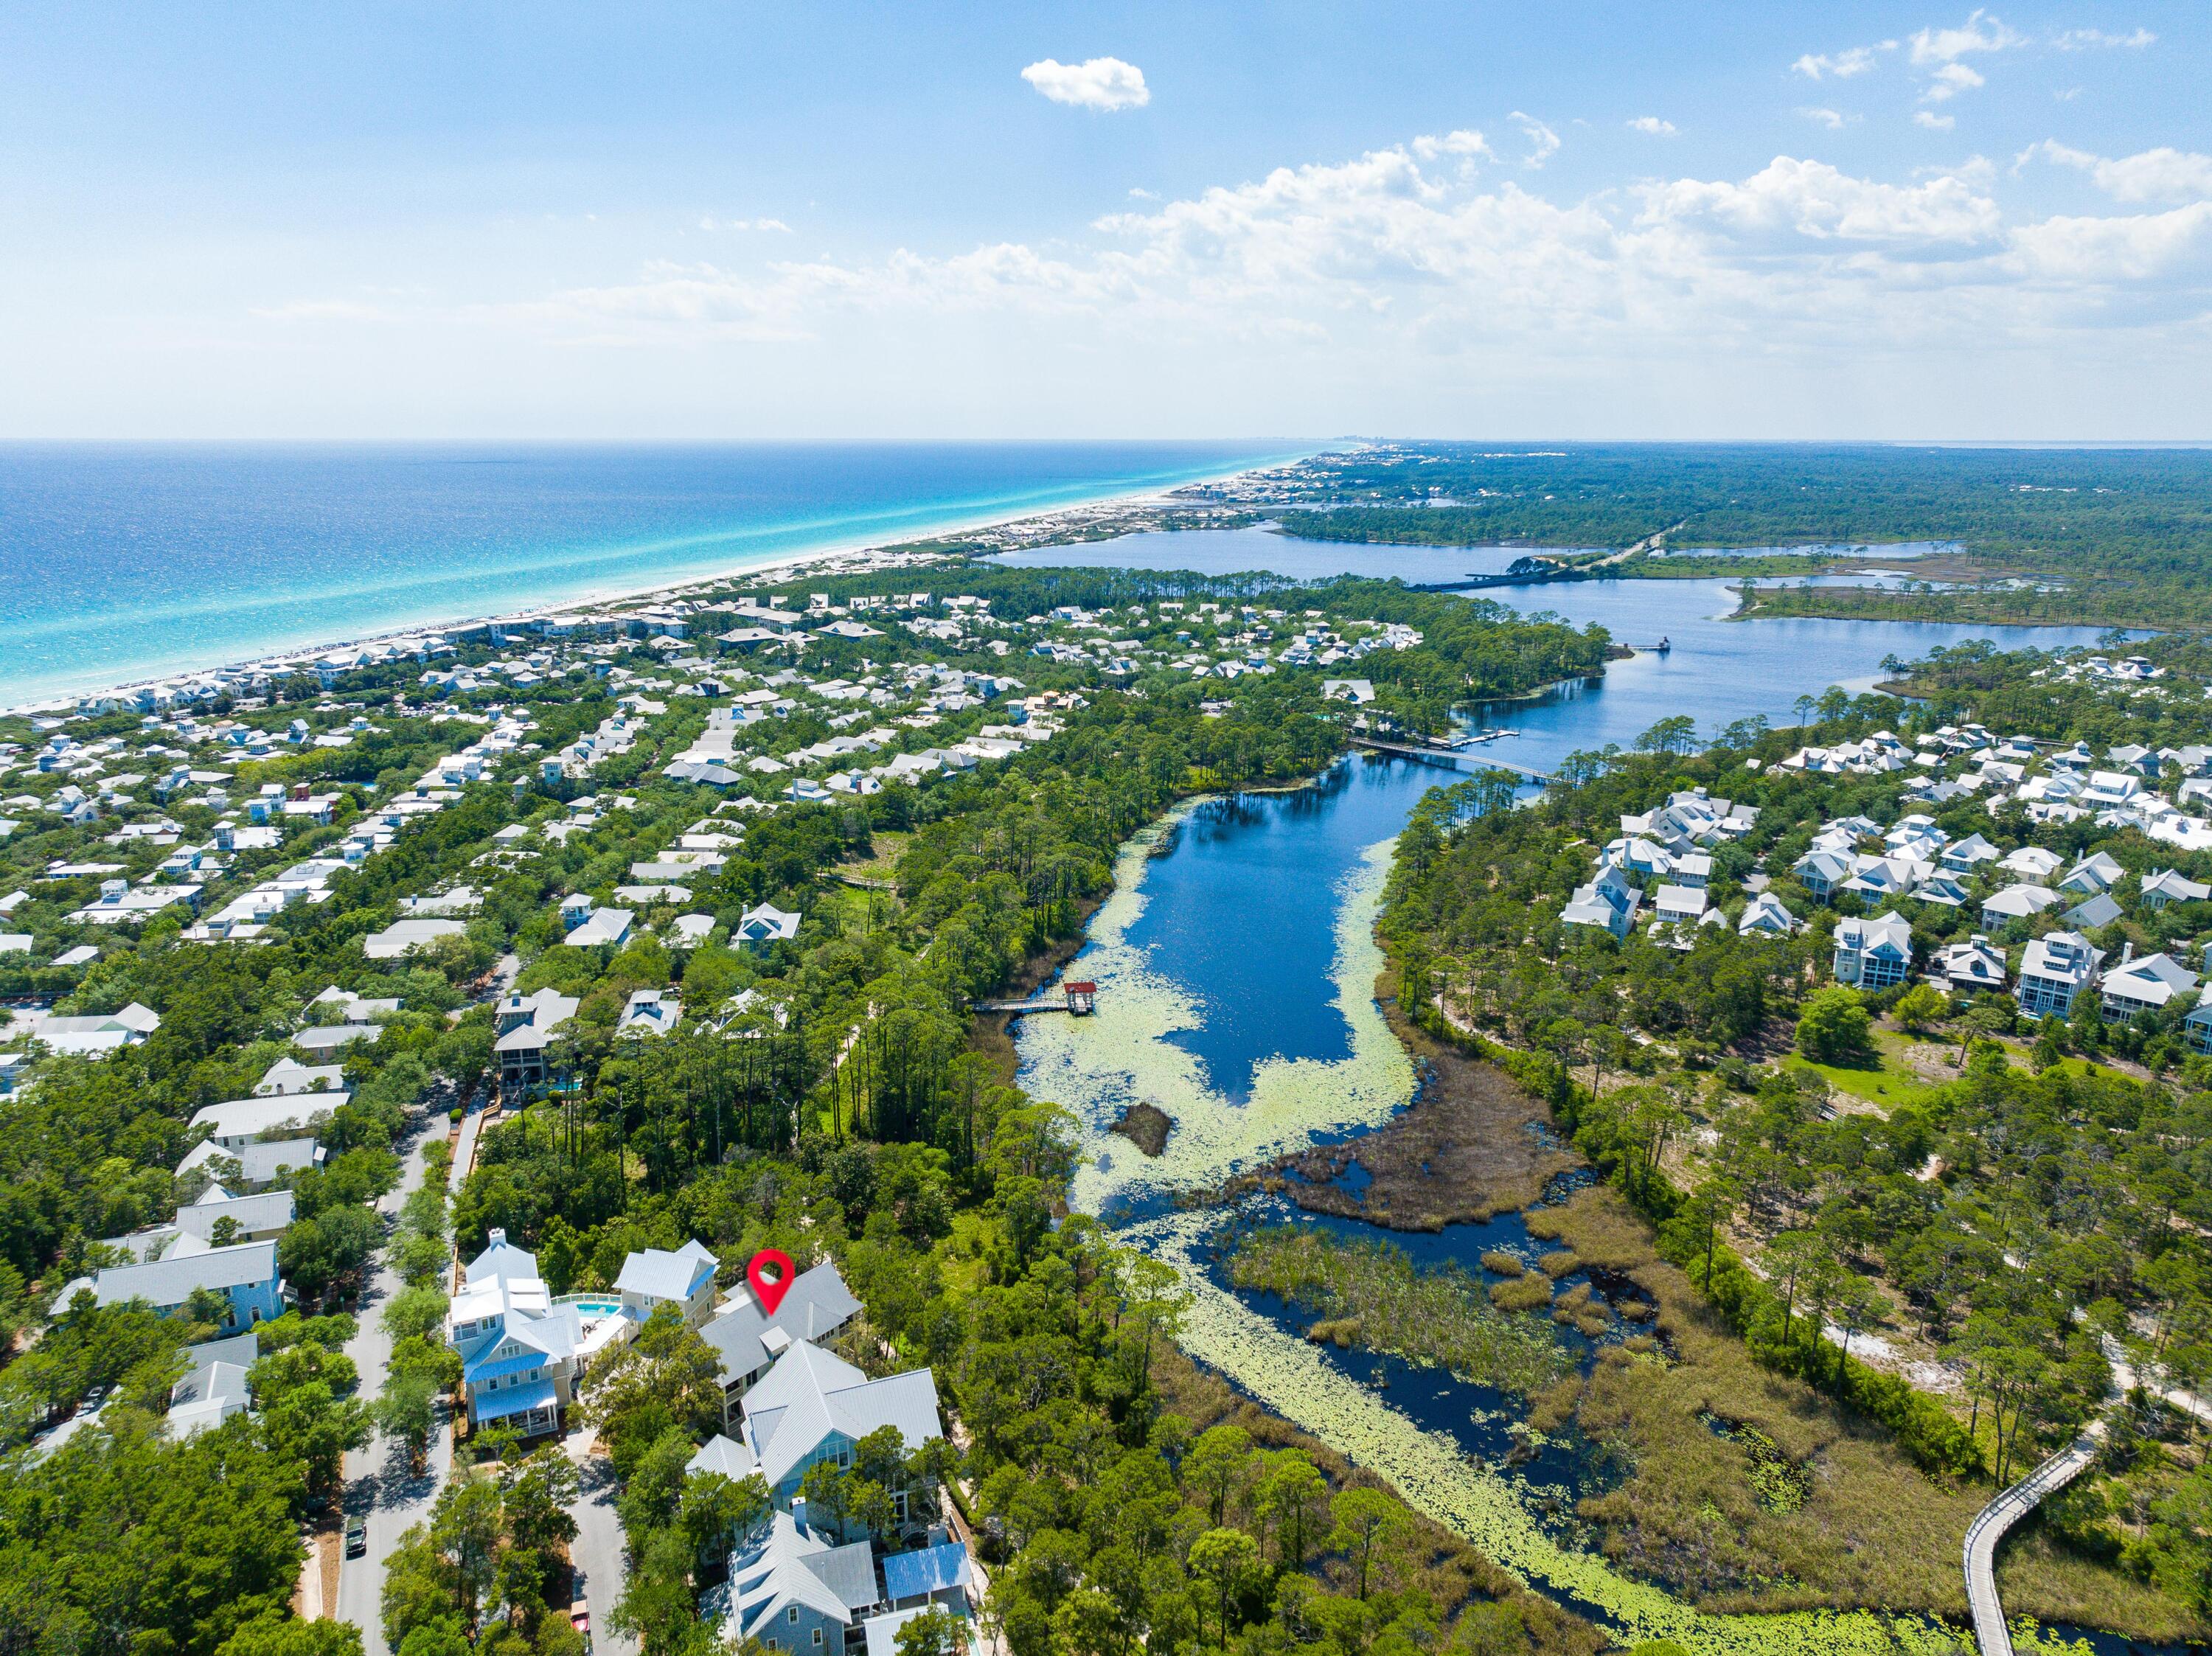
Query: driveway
<point x="379" y="1485"/>
<point x="597" y="1552"/>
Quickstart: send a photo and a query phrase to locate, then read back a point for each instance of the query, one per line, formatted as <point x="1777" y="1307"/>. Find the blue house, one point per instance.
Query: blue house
<point x="245" y="1275"/>
<point x="811" y="1407"/>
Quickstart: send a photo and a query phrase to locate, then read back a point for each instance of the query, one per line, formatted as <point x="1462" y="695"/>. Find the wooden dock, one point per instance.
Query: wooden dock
<point x="1454" y="758"/>
<point x="1076" y="1000"/>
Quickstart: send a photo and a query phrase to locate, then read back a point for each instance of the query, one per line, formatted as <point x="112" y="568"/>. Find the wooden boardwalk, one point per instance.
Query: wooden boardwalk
<point x="1452" y="757"/>
<point x="1078" y="998"/>
<point x="1990" y="1524"/>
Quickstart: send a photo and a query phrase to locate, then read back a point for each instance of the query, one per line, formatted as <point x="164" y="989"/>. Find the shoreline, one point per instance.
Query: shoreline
<point x="1161" y="495"/>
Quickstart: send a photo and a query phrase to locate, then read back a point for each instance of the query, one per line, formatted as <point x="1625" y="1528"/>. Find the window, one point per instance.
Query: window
<point x="792" y="1614"/>
<point x="818" y="1636"/>
<point x="844" y="1456"/>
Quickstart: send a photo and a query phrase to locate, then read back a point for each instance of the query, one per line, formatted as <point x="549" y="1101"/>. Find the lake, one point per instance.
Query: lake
<point x="1235" y="961"/>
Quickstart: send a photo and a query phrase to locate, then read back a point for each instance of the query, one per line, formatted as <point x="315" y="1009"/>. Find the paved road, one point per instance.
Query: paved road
<point x="379" y="1485"/>
<point x="598" y="1549"/>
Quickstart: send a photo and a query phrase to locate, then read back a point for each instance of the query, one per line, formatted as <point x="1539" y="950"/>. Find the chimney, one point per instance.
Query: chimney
<point x="498" y="1237"/>
<point x="2127" y="952"/>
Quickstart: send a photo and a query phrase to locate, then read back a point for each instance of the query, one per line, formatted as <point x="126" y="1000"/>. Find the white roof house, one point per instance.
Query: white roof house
<point x="403" y="936"/>
<point x="286" y="1115"/>
<point x="2164" y="886"/>
<point x="1968" y="854"/>
<point x="650" y="1012"/>
<point x="1972" y="965"/>
<point x="1608" y="901"/>
<point x="245" y="1275"/>
<point x="2032" y="863"/>
<point x="684" y="1279"/>
<point x="811" y="1403"/>
<point x="765" y="925"/>
<point x="749" y="1339"/>
<point x="288" y="1074"/>
<point x="2017" y="902"/>
<point x="788" y="1585"/>
<point x="1873" y="953"/>
<point x="256" y="1218"/>
<point x="2144" y="984"/>
<point x="604" y="926"/>
<point x="2095" y="873"/>
<point x="257" y="1164"/>
<point x="2057" y="966"/>
<point x="1768" y="915"/>
<point x="95" y="1035"/>
<point x="213" y="1386"/>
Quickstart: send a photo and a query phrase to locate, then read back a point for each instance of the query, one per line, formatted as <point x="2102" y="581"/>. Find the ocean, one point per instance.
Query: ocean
<point x="123" y="561"/>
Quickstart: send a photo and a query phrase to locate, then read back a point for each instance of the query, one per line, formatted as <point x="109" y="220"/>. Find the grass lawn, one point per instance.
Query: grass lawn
<point x="1891" y="1084"/>
<point x="885" y="845"/>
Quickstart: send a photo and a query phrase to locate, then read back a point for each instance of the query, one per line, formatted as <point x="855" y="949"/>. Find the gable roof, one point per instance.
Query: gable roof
<point x="271" y="1211"/>
<point x="816" y="1306"/>
<point x="775" y="1570"/>
<point x="659" y="1275"/>
<point x="809" y="1394"/>
<point x="170" y="1282"/>
<point x="731" y="1459"/>
<point x="502" y="1258"/>
<point x="250" y="1117"/>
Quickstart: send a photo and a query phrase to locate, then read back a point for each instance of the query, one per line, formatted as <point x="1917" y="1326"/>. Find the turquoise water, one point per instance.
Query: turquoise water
<point x="121" y="561"/>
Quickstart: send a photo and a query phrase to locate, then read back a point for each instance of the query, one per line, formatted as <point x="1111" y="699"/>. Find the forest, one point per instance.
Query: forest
<point x="2112" y="538"/>
<point x="2019" y="1204"/>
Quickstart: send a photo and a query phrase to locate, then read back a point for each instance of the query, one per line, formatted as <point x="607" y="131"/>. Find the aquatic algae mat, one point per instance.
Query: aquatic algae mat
<point x="1120" y="1055"/>
<point x="1291" y="1377"/>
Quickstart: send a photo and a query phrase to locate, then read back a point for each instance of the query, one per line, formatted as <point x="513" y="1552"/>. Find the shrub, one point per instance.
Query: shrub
<point x="1835" y="1028"/>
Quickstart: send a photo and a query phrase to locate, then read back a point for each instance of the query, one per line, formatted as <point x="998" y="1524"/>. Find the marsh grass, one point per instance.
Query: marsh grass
<point x="1530" y="1293"/>
<point x="1456" y="1578"/>
<point x="1438" y="1317"/>
<point x="1815" y="1505"/>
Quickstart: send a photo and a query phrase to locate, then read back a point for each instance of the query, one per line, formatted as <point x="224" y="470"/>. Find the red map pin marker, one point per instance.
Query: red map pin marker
<point x="770" y="1271"/>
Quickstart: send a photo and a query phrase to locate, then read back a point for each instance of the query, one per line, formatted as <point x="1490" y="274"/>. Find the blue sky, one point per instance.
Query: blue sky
<point x="1467" y="219"/>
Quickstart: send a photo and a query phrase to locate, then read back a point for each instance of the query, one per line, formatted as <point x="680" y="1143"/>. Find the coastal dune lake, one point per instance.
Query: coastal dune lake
<point x="1237" y="963"/>
<point x="124" y="561"/>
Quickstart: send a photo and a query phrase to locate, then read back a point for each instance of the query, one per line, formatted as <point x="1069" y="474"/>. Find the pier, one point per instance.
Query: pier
<point x="1077" y="1000"/>
<point x="1450" y="757"/>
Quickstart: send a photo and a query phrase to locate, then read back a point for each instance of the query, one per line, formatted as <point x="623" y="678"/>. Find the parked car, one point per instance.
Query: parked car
<point x="356" y="1536"/>
<point x="580" y="1617"/>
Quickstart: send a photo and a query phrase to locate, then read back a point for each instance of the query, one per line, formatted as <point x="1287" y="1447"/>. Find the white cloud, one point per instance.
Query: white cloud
<point x="1979" y="32"/>
<point x="1652" y="126"/>
<point x="1951" y="80"/>
<point x="1841" y="65"/>
<point x="1464" y="143"/>
<point x="1543" y="142"/>
<point x="2083" y="39"/>
<point x="1934" y="121"/>
<point x="1833" y="119"/>
<point x="1818" y="202"/>
<point x="1106" y="84"/>
<point x="2163" y="174"/>
<point x="709" y="223"/>
<point x="2105" y="253"/>
<point x="1406" y="262"/>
